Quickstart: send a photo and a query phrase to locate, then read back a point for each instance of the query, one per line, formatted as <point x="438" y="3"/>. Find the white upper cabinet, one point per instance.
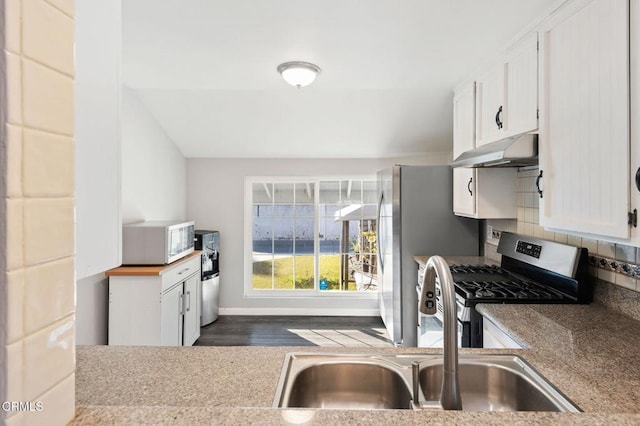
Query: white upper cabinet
<point x="507" y="94"/>
<point x="490" y="106"/>
<point x="478" y="193"/>
<point x="522" y="87"/>
<point x="584" y="121"/>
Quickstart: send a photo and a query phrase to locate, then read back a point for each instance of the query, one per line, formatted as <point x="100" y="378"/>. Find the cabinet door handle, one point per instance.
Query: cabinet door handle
<point x="469" y="186"/>
<point x="498" y="121"/>
<point x="181" y="302"/>
<point x="189" y="302"/>
<point x="538" y="184"/>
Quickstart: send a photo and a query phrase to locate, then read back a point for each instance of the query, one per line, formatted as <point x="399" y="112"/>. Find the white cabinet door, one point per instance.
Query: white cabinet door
<point x="191" y="310"/>
<point x="171" y="316"/>
<point x="584" y="140"/>
<point x="490" y="105"/>
<point x="507" y="95"/>
<point x="521" y="115"/>
<point x="464" y="191"/>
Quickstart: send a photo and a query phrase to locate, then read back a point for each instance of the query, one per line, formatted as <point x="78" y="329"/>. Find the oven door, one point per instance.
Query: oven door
<point x="431" y="332"/>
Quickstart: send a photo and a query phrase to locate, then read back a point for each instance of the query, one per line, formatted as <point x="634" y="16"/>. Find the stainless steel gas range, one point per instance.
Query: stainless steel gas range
<point x="531" y="271"/>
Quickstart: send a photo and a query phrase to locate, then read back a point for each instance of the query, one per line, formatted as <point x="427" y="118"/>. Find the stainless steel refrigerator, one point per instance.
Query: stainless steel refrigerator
<point x="415" y="217"/>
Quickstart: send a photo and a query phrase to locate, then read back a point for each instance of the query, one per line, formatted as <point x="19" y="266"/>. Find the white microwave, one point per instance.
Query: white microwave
<point x="156" y="242"/>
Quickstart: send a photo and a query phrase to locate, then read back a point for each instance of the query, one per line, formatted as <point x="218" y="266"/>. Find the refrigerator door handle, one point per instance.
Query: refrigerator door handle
<point x="378" y="234"/>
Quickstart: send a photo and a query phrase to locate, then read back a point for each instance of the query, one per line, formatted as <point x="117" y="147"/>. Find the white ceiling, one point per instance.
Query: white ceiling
<point x="206" y="70"/>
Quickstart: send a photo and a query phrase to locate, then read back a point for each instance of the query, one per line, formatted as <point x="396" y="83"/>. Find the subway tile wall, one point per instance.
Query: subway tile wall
<point x="616" y="263"/>
<point x="38" y="285"/>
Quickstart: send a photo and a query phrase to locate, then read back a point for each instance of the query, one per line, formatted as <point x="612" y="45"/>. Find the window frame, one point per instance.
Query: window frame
<point x="249" y="292"/>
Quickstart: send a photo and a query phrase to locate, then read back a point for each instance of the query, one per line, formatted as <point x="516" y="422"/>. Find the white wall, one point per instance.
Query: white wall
<point x="153" y="169"/>
<point x="215" y="200"/>
<point x="154" y="174"/>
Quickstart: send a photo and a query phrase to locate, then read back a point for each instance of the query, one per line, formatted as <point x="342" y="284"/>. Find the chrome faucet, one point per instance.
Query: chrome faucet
<point x="437" y="267"/>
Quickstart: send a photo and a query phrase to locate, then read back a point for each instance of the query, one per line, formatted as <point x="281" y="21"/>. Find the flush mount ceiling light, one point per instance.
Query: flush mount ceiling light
<point x="298" y="73"/>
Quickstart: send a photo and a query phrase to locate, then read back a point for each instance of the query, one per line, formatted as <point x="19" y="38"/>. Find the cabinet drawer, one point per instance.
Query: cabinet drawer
<point x="180" y="272"/>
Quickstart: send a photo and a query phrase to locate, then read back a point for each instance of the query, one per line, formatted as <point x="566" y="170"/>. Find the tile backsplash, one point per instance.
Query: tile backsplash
<point x="37" y="283"/>
<point x="616" y="263"/>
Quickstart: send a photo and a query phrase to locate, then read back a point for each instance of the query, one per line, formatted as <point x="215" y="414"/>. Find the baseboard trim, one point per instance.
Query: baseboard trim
<point x="301" y="312"/>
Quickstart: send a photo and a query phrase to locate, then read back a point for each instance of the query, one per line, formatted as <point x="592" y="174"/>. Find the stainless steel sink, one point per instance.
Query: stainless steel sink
<point x="354" y="382"/>
<point x="385" y="381"/>
<point x="496" y="383"/>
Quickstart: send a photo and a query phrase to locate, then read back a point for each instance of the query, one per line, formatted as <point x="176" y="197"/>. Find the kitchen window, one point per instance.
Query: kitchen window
<point x="310" y="236"/>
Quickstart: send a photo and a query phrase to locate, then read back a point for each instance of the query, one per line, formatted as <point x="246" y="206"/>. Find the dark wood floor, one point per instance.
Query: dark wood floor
<point x="295" y="331"/>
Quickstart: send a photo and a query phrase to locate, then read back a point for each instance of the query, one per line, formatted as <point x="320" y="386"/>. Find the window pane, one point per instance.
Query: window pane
<point x="262" y="271"/>
<point x="282" y="228"/>
<point x="369" y="192"/>
<point x="262" y="193"/>
<point x="330" y="271"/>
<point x="329" y="192"/>
<point x="283" y="193"/>
<point x="262" y="234"/>
<point x="282" y="236"/>
<point x="354" y="234"/>
<point x="305" y="193"/>
<point x="304" y="271"/>
<point x="352" y="192"/>
<point x="283" y="273"/>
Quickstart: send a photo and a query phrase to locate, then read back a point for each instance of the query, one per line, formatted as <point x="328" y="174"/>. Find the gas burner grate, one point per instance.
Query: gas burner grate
<point x="476" y="269"/>
<point x="507" y="290"/>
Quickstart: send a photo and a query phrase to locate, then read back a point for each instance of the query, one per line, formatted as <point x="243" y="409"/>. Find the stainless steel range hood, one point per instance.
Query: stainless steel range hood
<point x="516" y="151"/>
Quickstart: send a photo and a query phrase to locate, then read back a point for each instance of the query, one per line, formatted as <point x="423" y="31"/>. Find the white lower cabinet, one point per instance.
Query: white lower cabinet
<point x="494" y="338"/>
<point x="155" y="306"/>
<point x="171" y="307"/>
<point x="191" y="329"/>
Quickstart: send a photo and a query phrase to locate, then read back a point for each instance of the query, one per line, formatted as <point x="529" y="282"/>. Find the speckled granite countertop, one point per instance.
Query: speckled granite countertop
<point x="589" y="352"/>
